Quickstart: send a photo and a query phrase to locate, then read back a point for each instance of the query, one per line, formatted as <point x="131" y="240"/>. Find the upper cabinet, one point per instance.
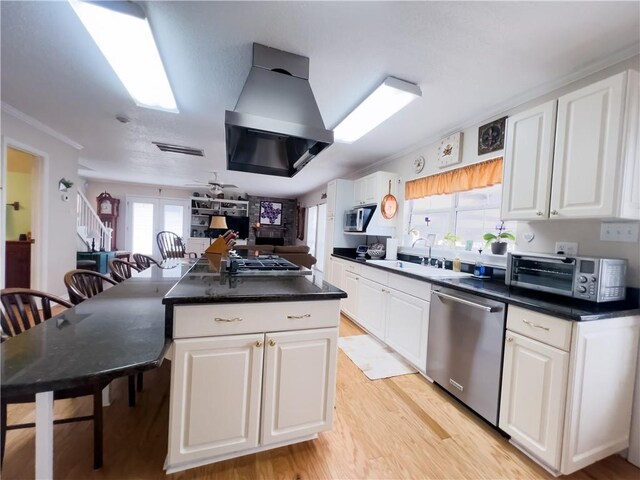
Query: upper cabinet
<point x="582" y="173"/>
<point x="371" y="189"/>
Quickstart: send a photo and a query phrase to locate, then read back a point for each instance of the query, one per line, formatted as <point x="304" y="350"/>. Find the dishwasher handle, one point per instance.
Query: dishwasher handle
<point x="466" y="302"/>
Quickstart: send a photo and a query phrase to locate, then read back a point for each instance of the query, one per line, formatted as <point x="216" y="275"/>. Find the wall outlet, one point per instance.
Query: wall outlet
<point x="567" y="248"/>
<point x="619" y="232"/>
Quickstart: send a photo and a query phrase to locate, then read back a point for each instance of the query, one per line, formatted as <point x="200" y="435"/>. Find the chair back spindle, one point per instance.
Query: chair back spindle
<point x="144" y="261"/>
<point x="121" y="269"/>
<point x="20" y="309"/>
<point x="84" y="284"/>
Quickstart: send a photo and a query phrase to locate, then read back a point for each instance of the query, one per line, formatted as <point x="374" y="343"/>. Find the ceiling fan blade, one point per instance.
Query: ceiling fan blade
<point x="228" y="185"/>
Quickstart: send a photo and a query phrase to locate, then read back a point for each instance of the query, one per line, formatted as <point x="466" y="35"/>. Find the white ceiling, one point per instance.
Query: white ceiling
<point x="469" y="58"/>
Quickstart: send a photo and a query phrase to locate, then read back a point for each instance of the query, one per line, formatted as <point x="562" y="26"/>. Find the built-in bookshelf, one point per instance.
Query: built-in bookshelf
<point x="202" y="209"/>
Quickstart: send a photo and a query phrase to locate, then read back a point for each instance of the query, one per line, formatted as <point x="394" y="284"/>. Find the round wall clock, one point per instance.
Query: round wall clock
<point x="491" y="136"/>
<point x="418" y="164"/>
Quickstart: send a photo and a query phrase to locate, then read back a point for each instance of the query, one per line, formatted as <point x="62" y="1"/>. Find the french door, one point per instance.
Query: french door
<point x="146" y="216"/>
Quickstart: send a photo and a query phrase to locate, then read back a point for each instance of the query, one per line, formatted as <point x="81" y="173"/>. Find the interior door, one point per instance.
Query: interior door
<point x="146" y="216"/>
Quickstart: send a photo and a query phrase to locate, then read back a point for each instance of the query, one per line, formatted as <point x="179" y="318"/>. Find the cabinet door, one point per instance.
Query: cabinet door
<point x="586" y="163"/>
<point x="299" y="384"/>
<point x="331" y="199"/>
<point x="337" y="273"/>
<point x="407" y="327"/>
<point x="215" y="396"/>
<point x="359" y="192"/>
<point x="526" y="186"/>
<point x="372" y="306"/>
<point x="371" y="192"/>
<point x="534" y="387"/>
<point x="350" y="285"/>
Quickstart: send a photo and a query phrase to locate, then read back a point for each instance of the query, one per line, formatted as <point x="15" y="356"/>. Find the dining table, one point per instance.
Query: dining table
<point x="116" y="333"/>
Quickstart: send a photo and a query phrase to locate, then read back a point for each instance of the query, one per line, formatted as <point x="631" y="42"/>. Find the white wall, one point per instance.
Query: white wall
<point x="585" y="232"/>
<point x="120" y="190"/>
<point x="60" y="224"/>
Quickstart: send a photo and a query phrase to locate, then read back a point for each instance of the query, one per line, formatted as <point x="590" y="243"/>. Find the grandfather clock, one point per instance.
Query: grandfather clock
<point x="108" y="211"/>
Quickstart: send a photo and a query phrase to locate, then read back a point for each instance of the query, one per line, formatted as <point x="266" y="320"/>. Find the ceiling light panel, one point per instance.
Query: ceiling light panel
<point x="385" y="101"/>
<point x="128" y="45"/>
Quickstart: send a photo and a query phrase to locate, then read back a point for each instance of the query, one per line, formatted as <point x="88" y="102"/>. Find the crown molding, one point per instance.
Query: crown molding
<point x="14" y="112"/>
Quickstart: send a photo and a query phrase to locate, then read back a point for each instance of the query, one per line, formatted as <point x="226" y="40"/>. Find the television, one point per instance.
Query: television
<point x="240" y="225"/>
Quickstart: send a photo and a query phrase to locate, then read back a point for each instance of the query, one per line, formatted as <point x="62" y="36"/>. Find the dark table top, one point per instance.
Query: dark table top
<point x="113" y="334"/>
<point x="207" y="282"/>
<point x="556" y="305"/>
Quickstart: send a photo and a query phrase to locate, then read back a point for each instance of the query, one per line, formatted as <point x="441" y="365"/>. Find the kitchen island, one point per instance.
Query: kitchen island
<point x="254" y="362"/>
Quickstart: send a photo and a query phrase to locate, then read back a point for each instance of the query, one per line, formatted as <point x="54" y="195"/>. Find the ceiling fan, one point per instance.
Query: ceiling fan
<point x="214" y="185"/>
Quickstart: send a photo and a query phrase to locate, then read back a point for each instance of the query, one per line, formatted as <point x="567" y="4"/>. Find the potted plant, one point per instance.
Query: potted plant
<point x="451" y="239"/>
<point x="498" y="246"/>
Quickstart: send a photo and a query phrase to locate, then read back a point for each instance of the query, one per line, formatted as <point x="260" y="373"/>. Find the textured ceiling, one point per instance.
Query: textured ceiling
<point x="469" y="58"/>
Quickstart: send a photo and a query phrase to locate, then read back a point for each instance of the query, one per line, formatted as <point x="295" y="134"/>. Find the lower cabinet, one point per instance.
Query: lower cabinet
<point x="567" y="387"/>
<point x="534" y="388"/>
<point x="398" y="319"/>
<point x="350" y="285"/>
<point x="242" y="392"/>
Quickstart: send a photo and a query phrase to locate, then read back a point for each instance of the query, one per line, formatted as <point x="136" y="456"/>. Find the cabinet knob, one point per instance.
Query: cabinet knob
<point x="272" y="342"/>
<point x="258" y="344"/>
<point x="539" y="213"/>
<point x="509" y="339"/>
<point x="554" y="212"/>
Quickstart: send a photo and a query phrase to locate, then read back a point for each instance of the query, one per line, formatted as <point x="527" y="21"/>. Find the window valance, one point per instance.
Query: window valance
<point x="479" y="175"/>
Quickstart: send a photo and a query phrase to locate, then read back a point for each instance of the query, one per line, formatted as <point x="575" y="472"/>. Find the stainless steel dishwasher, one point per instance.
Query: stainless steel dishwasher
<point x="465" y="346"/>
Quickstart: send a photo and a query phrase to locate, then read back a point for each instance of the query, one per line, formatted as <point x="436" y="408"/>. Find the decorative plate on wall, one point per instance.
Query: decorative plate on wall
<point x="491" y="136"/>
<point x="449" y="150"/>
<point x="418" y="164"/>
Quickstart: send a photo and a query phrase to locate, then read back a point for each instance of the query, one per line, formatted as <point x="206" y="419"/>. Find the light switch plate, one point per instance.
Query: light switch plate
<point x="619" y="232"/>
<point x="567" y="248"/>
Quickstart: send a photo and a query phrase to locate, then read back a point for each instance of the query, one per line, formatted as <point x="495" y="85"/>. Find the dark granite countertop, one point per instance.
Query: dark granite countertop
<point x="556" y="305"/>
<point x="206" y="283"/>
<point x="113" y="334"/>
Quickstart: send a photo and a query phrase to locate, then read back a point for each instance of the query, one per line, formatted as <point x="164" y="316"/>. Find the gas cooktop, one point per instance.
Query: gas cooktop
<point x="262" y="262"/>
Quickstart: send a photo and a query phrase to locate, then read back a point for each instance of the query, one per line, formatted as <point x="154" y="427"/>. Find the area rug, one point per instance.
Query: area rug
<point x="375" y="359"/>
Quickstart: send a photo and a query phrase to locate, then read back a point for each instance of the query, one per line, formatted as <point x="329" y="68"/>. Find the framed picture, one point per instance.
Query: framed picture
<point x="270" y="213"/>
<point x="491" y="136"/>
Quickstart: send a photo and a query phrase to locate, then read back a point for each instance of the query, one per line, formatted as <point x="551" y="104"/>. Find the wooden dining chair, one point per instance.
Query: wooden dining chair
<point x="121" y="269"/>
<point x="84" y="284"/>
<point x="20" y="311"/>
<point x="144" y="261"/>
<point x="172" y="246"/>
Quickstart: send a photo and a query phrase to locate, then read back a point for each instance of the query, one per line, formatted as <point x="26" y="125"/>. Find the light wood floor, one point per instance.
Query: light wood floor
<point x="402" y="427"/>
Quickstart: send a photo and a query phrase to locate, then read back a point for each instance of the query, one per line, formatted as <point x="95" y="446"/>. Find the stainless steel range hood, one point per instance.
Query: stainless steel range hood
<point x="276" y="127"/>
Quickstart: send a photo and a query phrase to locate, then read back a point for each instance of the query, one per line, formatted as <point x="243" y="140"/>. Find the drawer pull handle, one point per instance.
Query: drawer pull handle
<point x="295" y="317"/>
<point x="272" y="342"/>
<point x="535" y="325"/>
<point x="234" y="319"/>
<point x="554" y="212"/>
<point x="258" y="344"/>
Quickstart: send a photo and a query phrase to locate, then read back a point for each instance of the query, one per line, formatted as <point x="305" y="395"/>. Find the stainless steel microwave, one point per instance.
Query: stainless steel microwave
<point x="357" y="219"/>
<point x="592" y="279"/>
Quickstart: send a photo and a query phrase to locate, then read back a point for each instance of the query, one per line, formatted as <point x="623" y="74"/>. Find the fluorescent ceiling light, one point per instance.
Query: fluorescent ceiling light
<point x="385" y="101"/>
<point x="122" y="32"/>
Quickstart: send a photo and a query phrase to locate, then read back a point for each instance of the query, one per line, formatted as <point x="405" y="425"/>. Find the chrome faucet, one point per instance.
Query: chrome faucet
<point x="422" y="259"/>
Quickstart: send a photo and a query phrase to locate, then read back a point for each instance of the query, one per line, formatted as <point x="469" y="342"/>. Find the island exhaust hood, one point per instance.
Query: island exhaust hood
<point x="276" y="127"/>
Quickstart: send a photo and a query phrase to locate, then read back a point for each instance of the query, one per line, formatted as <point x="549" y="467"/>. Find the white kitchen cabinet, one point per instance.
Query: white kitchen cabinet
<point x="568" y="409"/>
<point x="350" y="282"/>
<point x="407" y="327"/>
<point x="372" y="307"/>
<point x="215" y="392"/>
<point x="593" y="170"/>
<point x="371" y="189"/>
<point x="331" y="199"/>
<point x="529" y="158"/>
<point x="534" y="386"/>
<point x="337" y="272"/>
<point x="299" y="384"/>
<point x="249" y="377"/>
<point x="339" y="199"/>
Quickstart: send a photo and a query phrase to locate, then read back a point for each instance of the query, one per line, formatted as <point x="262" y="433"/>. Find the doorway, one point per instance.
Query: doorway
<point x="316" y="229"/>
<point x="146" y="216"/>
<point x="22" y="216"/>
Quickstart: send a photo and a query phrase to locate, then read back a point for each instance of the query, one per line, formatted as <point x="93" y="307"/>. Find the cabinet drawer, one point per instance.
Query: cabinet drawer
<point x="550" y="330"/>
<point x="236" y="318"/>
<point x="375" y="274"/>
<point x="410" y="286"/>
<point x="352" y="267"/>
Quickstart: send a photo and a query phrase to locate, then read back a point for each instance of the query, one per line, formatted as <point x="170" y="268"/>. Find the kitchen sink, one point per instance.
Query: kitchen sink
<point x="416" y="269"/>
